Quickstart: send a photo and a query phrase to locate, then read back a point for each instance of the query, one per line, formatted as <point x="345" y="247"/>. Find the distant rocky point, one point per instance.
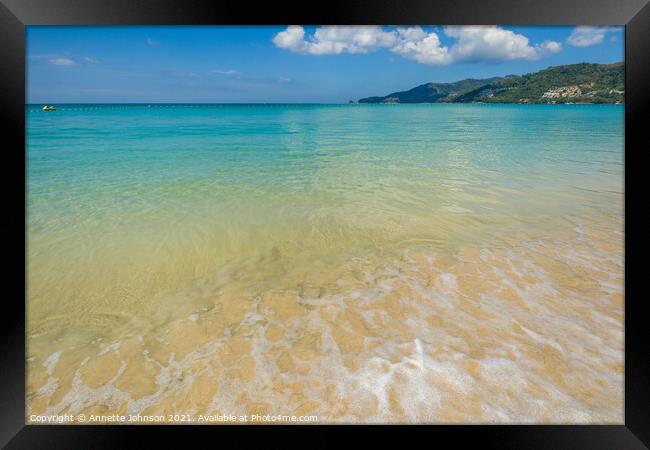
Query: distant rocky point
<point x="574" y="83"/>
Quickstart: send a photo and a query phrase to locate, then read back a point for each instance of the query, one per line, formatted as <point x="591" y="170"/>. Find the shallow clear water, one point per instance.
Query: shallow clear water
<point x="496" y="230"/>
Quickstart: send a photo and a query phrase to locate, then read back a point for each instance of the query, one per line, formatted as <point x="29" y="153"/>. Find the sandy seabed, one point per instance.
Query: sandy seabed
<point x="528" y="330"/>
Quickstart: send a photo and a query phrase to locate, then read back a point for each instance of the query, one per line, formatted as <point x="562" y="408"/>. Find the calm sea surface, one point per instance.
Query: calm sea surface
<point x="404" y="263"/>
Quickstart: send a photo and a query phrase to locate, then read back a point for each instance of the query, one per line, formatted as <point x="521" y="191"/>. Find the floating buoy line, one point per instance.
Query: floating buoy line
<point x="50" y="108"/>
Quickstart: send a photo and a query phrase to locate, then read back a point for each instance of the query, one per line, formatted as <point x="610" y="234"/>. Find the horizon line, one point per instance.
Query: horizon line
<point x="312" y="103"/>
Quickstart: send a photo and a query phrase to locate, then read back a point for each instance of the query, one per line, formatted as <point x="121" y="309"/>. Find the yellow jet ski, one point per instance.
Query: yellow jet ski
<point x="49" y="108"/>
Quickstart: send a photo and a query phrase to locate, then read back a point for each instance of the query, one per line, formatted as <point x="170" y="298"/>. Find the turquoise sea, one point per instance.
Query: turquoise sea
<point x="142" y="216"/>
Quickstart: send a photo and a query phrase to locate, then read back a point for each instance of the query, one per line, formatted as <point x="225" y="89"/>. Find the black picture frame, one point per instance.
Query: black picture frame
<point x="16" y="14"/>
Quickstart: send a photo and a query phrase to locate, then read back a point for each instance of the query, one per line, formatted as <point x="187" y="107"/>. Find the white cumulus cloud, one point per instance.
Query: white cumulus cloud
<point x="471" y="43"/>
<point x="415" y="43"/>
<point x="291" y="38"/>
<point x="585" y="36"/>
<point x="548" y="47"/>
<point x="478" y="43"/>
<point x="328" y="40"/>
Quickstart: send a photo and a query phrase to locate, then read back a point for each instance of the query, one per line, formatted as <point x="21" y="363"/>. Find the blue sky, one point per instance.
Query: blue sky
<point x="289" y="64"/>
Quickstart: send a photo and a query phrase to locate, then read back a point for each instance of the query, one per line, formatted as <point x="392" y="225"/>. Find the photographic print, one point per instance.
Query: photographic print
<point x="325" y="224"/>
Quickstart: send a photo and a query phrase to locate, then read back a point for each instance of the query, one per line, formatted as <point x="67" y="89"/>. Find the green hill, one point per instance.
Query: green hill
<point x="430" y="92"/>
<point x="575" y="83"/>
